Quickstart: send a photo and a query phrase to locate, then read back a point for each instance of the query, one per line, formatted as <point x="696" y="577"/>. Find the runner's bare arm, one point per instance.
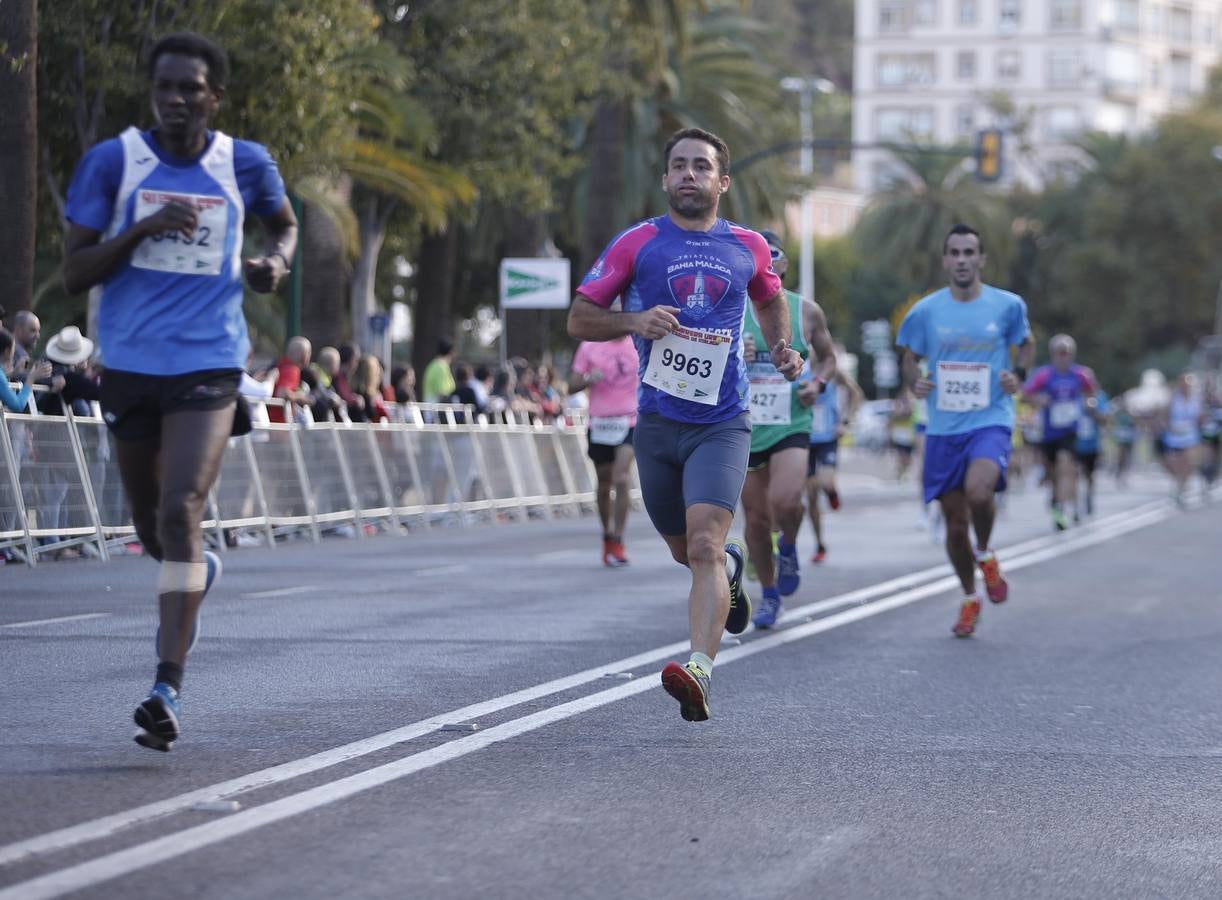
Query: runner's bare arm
<point x="920" y="386"/>
<point x="773" y="318"/>
<point x="264" y="273"/>
<point x="88" y="260"/>
<point x="1010" y="382"/>
<point x="819" y="339"/>
<point x="590" y="322"/>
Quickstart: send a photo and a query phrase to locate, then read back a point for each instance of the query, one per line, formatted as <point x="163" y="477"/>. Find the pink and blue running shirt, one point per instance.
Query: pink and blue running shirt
<point x="973" y="338"/>
<point x="708" y="276"/>
<point x="175" y="305"/>
<point x="1066" y="392"/>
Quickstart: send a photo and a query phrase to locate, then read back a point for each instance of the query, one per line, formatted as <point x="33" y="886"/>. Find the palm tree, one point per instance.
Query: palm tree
<point x="18" y="147"/>
<point x="901" y="232"/>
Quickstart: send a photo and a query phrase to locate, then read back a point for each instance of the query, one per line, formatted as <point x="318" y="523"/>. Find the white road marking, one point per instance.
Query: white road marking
<point x="106" y="826"/>
<point x="439" y="570"/>
<point x="281" y="592"/>
<point x="553" y="555"/>
<point x="35" y="622"/>
<point x="123" y="862"/>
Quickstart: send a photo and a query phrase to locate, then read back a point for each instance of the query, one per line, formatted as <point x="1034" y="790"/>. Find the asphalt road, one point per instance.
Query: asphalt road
<point x="1071" y="749"/>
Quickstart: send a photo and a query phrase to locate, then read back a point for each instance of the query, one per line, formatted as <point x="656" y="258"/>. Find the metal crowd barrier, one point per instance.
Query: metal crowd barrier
<point x="440" y="466"/>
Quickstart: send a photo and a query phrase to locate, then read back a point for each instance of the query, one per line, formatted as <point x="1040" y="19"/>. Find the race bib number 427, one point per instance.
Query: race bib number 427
<point x="200" y="254"/>
<point x="962" y="386"/>
<point x="689" y="364"/>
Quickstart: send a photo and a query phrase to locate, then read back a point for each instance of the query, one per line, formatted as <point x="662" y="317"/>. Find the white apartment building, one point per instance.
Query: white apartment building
<point x="925" y="72"/>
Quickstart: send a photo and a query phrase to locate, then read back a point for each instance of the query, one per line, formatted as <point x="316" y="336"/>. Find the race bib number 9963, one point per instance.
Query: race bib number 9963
<point x="689" y="364"/>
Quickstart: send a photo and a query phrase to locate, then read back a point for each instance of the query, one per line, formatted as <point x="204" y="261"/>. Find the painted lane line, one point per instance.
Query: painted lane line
<point x="555" y="555"/>
<point x="439" y="570"/>
<point x="281" y="592"/>
<point x="106" y="826"/>
<point x="123" y="862"/>
<point x="78" y="618"/>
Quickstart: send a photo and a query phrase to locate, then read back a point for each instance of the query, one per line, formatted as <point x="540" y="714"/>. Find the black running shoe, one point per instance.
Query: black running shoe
<point x="740" y="603"/>
<point x="157" y="716"/>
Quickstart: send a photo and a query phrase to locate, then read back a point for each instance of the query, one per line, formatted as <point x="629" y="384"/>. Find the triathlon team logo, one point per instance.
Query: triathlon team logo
<point x="696" y="289"/>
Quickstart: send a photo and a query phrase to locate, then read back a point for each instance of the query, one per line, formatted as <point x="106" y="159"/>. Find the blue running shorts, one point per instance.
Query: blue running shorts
<point x="682" y="464"/>
<point x="947" y="457"/>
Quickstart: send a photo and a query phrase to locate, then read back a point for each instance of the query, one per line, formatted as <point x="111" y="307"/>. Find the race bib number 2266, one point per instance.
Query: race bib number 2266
<point x="962" y="386"/>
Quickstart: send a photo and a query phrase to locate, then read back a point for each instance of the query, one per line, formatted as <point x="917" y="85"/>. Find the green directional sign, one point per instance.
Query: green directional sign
<point x="534" y="283"/>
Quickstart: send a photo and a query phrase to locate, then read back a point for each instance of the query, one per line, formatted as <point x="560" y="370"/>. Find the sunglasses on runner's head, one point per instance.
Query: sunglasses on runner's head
<point x="776" y="252"/>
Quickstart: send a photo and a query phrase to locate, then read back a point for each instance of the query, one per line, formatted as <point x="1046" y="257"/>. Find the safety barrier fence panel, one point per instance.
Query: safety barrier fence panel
<point x="437" y="467"/>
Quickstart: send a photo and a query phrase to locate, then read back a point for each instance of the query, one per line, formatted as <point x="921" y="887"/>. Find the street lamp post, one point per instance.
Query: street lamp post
<point x="806" y="88"/>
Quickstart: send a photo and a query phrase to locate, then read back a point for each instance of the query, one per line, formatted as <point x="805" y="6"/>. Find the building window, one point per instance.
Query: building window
<point x="892" y="16"/>
<point x="903" y="69"/>
<point x="902" y="124"/>
<point x="1062" y="123"/>
<point x="1180" y="75"/>
<point x="1155" y="74"/>
<point x="925" y="12"/>
<point x="1009" y="65"/>
<point x="1156" y="21"/>
<point x="965" y="121"/>
<point x="1181" y="25"/>
<point x="965" y="65"/>
<point x="1065" y="15"/>
<point x="1064" y="67"/>
<point x="1123" y="67"/>
<point x="968" y="14"/>
<point x="1009" y="15"/>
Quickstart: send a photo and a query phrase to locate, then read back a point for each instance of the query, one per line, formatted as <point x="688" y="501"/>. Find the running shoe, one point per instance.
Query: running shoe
<point x="819" y="555"/>
<point x="213" y="562"/>
<point x="157" y="717"/>
<point x="690" y="686"/>
<point x="1059" y="520"/>
<point x="833" y="499"/>
<point x="740" y="603"/>
<point x="995" y="584"/>
<point x="614" y="555"/>
<point x="788" y="574"/>
<point x="768" y="612"/>
<point x="969" y="615"/>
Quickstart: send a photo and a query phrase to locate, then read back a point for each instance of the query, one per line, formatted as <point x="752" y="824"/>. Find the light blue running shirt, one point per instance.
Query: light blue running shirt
<point x="967" y="346"/>
<point x="825" y="412"/>
<point x="175" y="305"/>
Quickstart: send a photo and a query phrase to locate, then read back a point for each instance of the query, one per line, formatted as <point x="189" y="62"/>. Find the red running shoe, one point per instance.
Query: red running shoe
<point x="614" y="555"/>
<point x="995" y="585"/>
<point x="969" y="615"/>
<point x="690" y="686"/>
<point x="819" y="555"/>
<point x="833" y="500"/>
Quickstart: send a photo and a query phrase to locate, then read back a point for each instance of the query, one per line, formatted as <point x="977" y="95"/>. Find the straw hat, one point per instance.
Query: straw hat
<point x="69" y="347"/>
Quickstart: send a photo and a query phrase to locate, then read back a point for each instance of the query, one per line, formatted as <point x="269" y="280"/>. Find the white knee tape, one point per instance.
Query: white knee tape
<point x="182" y="577"/>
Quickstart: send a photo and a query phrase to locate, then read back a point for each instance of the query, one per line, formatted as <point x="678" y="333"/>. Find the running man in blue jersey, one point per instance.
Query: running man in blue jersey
<point x="1086" y="445"/>
<point x="964" y="332"/>
<point x="156" y="226"/>
<point x="1065" y="392"/>
<point x="685" y="279"/>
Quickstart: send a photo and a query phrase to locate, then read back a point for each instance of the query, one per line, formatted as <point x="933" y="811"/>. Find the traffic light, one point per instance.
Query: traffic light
<point x="988" y="154"/>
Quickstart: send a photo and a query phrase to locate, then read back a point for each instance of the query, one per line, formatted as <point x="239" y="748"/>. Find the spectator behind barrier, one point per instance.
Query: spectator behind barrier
<point x="68" y="352"/>
<point x="289" y="381"/>
<point x="327" y="404"/>
<point x="465" y="393"/>
<point x="367" y="384"/>
<point x="402" y="385"/>
<point x="17" y="402"/>
<point x="349" y="356"/>
<point x="26" y="331"/>
<point x="438" y="379"/>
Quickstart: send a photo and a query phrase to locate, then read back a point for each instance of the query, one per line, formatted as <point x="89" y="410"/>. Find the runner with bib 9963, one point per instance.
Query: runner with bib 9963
<point x="685" y="279"/>
<point x="965" y="332"/>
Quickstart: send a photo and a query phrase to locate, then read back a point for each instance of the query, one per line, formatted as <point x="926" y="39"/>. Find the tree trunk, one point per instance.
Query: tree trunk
<point x="606" y="184"/>
<point x="18" y="149"/>
<point x="527" y="330"/>
<point x="433" y="314"/>
<point x="325" y="274"/>
<point x="374" y="216"/>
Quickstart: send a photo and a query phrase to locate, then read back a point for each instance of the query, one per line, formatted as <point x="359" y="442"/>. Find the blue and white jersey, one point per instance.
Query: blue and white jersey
<point x="967" y="346"/>
<point x="1086" y="439"/>
<point x="825" y="411"/>
<point x="697" y="374"/>
<point x="1183" y="423"/>
<point x="175" y="305"/>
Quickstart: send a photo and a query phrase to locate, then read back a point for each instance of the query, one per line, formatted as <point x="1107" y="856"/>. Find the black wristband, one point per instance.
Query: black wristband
<point x="288" y="266"/>
<point x="1020" y="372"/>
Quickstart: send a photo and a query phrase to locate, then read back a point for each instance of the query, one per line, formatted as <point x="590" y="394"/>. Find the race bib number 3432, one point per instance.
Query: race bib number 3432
<point x="962" y="386"/>
<point x="200" y="254"/>
<point x="689" y="364"/>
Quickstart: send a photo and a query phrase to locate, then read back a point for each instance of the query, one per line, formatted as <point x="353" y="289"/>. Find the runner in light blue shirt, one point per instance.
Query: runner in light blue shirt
<point x="964" y="333"/>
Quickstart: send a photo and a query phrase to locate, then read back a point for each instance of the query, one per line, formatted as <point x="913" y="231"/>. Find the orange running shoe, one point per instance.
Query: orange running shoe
<point x="995" y="584"/>
<point x="969" y="615"/>
<point x="614" y="555"/>
<point x="819" y="555"/>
